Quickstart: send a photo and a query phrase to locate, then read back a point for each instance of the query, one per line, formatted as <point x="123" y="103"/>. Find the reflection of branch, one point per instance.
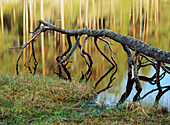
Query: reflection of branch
<point x="160" y="94"/>
<point x="151" y="80"/>
<point x="108" y="87"/>
<point x="34" y="68"/>
<point x="158" y="82"/>
<point x="113" y="66"/>
<point x="62" y="77"/>
<point x="168" y="88"/>
<point x="35" y="60"/>
<point x="101" y="78"/>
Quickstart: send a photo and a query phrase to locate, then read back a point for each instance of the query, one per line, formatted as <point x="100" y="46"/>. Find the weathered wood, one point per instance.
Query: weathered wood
<point x="133" y="43"/>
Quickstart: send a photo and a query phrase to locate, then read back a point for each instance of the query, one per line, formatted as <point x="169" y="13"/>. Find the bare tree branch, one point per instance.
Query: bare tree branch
<point x="155" y="57"/>
<point x="130" y="81"/>
<point x="131" y="42"/>
<point x="138" y="84"/>
<point x="89" y="71"/>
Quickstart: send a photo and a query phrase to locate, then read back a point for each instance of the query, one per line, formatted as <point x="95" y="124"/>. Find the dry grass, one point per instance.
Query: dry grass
<point x="43" y="100"/>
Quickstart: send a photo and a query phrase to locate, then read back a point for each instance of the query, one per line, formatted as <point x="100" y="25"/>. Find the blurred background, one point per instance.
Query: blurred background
<point x="148" y="20"/>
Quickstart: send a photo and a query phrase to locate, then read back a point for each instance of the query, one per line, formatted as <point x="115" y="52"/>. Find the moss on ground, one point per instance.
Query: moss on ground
<point x="48" y="100"/>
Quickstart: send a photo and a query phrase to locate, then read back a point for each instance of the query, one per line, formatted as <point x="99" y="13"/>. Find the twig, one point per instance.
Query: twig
<point x="165" y="68"/>
<point x="95" y="42"/>
<point x="69" y="48"/>
<point x="108" y="44"/>
<point x="148" y="60"/>
<point x="16" y="47"/>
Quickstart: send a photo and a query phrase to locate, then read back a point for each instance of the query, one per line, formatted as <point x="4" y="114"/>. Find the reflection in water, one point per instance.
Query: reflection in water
<point x="42" y="41"/>
<point x="24" y="35"/>
<point x="80" y="14"/>
<point x="2" y="20"/>
<point x="107" y="98"/>
<point x="114" y="65"/>
<point x="32" y="70"/>
<point x="31" y="21"/>
<point x="62" y="23"/>
<point x="143" y="19"/>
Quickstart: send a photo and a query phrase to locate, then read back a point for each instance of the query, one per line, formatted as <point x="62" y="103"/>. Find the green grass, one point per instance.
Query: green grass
<point x="49" y="100"/>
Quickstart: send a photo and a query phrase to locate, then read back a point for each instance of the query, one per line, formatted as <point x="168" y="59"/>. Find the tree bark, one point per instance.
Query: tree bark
<point x="133" y="43"/>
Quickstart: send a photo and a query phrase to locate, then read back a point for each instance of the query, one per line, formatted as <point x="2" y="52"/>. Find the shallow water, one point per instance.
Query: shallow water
<point x="142" y="19"/>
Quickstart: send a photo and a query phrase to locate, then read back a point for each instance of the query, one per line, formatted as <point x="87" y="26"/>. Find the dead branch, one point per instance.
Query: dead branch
<point x="89" y="71"/>
<point x="58" y="59"/>
<point x="130" y="81"/>
<point x="165" y="68"/>
<point x="131" y="42"/>
<point x="155" y="57"/>
<point x="138" y="84"/>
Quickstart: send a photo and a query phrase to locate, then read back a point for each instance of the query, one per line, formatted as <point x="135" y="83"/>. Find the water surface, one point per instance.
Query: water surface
<point x="147" y="20"/>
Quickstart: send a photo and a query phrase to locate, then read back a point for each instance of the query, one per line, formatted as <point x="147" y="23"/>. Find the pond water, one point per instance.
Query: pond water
<point x="147" y="20"/>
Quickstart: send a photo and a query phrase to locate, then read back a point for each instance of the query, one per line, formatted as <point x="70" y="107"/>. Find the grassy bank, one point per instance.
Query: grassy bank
<point x="42" y="100"/>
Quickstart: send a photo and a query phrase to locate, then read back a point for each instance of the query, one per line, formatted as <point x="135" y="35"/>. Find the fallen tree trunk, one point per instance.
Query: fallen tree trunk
<point x="135" y="62"/>
<point x="133" y="43"/>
